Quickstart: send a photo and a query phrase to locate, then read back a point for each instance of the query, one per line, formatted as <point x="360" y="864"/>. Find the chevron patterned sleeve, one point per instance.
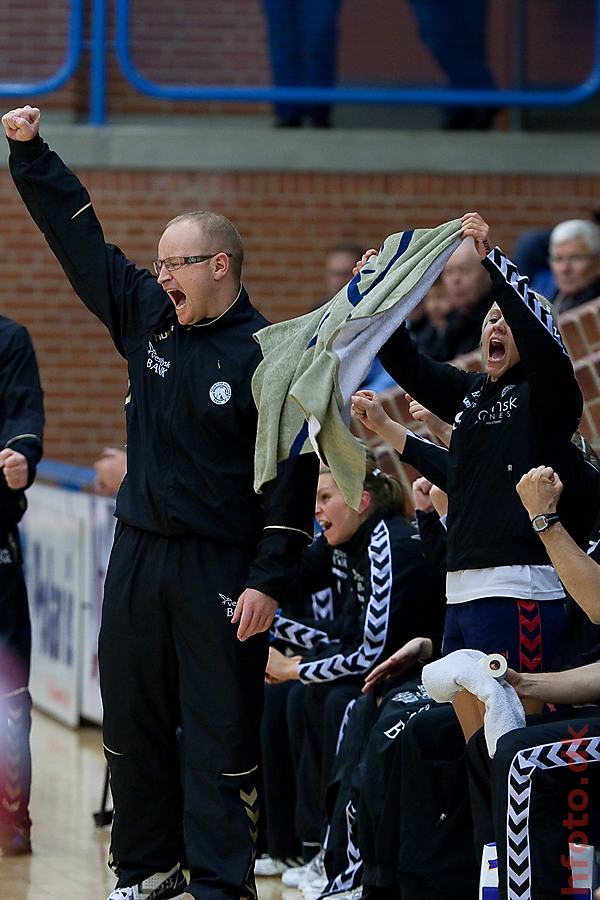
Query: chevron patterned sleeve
<point x="302" y="636"/>
<point x="537" y="305"/>
<point x="376" y="621"/>
<point x="546" y="363"/>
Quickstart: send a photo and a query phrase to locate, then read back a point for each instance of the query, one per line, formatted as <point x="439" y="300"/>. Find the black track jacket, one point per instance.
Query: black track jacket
<point x="501" y="430"/>
<point x="21" y="413"/>
<point x="191" y="417"/>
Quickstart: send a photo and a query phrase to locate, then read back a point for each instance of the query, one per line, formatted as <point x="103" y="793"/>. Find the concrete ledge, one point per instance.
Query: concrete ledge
<point x="245" y="144"/>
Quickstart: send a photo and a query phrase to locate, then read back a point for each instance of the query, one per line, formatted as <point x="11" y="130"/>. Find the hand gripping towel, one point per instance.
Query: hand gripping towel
<point x="445" y="677"/>
<point x="313" y="364"/>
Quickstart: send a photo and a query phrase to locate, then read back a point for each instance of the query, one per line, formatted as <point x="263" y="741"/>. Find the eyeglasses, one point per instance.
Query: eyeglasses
<point x="176" y="262"/>
<point x="573" y="259"/>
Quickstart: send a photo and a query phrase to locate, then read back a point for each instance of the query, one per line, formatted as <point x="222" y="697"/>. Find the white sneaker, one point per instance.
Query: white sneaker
<point x="160" y="886"/>
<point x="311" y="890"/>
<point x="266" y="866"/>
<point x="315" y="890"/>
<point x="353" y="894"/>
<point x="305" y="874"/>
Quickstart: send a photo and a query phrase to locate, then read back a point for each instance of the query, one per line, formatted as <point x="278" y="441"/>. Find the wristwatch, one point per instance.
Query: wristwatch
<point x="543" y="522"/>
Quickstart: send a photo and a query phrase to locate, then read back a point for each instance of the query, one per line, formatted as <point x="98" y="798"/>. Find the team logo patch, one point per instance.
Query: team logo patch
<point x="220" y="392"/>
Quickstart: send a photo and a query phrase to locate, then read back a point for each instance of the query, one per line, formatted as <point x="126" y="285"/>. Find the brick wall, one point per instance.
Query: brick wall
<point x="288" y="220"/>
<point x="581" y="332"/>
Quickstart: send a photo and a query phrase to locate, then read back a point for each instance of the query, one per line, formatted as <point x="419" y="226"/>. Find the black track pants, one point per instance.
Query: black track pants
<point x="176" y="685"/>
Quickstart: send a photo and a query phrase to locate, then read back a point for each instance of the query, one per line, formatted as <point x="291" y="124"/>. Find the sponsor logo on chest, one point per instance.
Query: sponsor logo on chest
<point x="156" y="363"/>
<point x="499" y="411"/>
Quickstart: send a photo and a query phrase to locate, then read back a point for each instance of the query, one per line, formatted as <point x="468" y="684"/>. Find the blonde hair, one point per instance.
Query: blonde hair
<point x="543" y="301"/>
<point x="386" y="491"/>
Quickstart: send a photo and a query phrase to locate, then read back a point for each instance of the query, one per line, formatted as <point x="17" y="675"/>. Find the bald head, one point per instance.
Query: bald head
<point x="219" y="235"/>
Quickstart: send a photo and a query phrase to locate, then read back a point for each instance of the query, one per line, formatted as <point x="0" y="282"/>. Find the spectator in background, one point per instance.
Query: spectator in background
<point x="339" y="266"/>
<point x="575" y="263"/>
<point x="531" y="258"/>
<point x="302" y="47"/>
<point x="339" y="263"/>
<point x="431" y="337"/>
<point x="469" y="288"/>
<point x="455" y="35"/>
<point x="532" y="252"/>
<point x="21" y="433"/>
<point x="111" y="468"/>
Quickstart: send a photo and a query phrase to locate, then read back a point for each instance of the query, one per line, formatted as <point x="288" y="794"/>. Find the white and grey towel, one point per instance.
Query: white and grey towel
<point x="313" y="364"/>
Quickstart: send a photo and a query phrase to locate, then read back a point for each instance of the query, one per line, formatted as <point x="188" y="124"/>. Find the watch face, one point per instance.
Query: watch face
<point x="542" y="523"/>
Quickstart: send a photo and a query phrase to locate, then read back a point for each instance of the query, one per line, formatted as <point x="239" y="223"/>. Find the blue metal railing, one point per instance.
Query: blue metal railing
<point x="68" y="68"/>
<point x="437" y="96"/>
<point x="98" y="63"/>
<point x="99" y="46"/>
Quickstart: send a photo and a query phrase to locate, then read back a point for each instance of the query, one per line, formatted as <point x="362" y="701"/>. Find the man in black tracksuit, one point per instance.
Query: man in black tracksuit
<point x="21" y="433"/>
<point x="195" y="549"/>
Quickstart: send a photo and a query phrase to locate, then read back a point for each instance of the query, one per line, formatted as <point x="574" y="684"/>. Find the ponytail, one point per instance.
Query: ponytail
<point x="387" y="492"/>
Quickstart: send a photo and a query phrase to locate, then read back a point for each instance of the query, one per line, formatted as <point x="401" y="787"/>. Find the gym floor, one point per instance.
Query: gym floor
<point x="69" y="858"/>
